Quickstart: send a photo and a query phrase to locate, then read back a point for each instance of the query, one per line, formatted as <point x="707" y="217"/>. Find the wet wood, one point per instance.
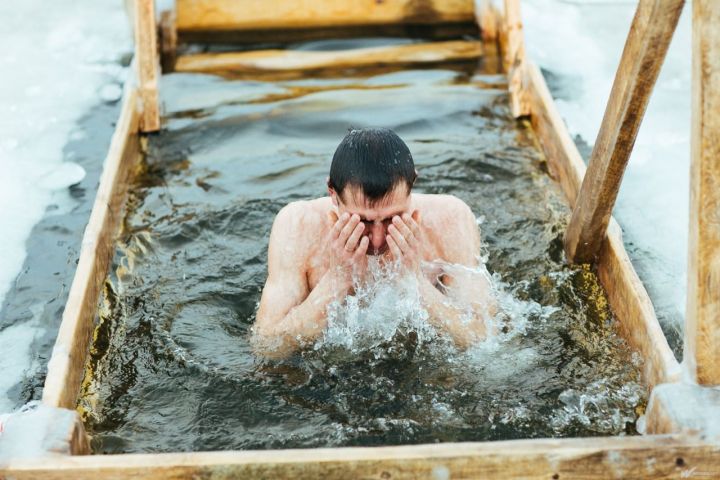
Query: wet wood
<point x="439" y="31"/>
<point x="487" y="18"/>
<point x="168" y="41"/>
<point x="294" y="60"/>
<point x="146" y="58"/>
<point x="702" y="324"/>
<point x="66" y="367"/>
<point x="208" y="15"/>
<point x="645" y="48"/>
<point x="514" y="61"/>
<point x="626" y="294"/>
<point x="594" y="458"/>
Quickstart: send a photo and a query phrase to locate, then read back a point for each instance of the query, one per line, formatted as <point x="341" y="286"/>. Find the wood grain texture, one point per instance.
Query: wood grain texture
<point x="626" y="294"/>
<point x="702" y="324"/>
<point x="487" y="17"/>
<point x="645" y="48"/>
<point x="146" y="58"/>
<point x="261" y="61"/>
<point x="67" y="363"/>
<point x="168" y="41"/>
<point x="597" y="458"/>
<point x="514" y="59"/>
<point x="203" y="15"/>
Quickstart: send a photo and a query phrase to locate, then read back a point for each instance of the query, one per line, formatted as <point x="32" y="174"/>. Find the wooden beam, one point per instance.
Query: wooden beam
<point x="168" y="41"/>
<point x="263" y="61"/>
<point x="626" y="294"/>
<point x="702" y="324"/>
<point x="66" y="367"/>
<point x="592" y="458"/>
<point x="487" y="19"/>
<point x="645" y="48"/>
<point x="146" y="58"/>
<point x="204" y="15"/>
<point x="514" y="61"/>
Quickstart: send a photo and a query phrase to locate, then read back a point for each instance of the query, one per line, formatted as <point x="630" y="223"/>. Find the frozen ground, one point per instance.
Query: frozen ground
<point x="59" y="59"/>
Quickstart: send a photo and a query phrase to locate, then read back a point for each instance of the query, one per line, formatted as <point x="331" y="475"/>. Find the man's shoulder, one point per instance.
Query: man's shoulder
<point x="303" y="213"/>
<point x="444" y="207"/>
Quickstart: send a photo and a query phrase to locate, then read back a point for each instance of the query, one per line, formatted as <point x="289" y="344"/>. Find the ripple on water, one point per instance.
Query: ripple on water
<point x="172" y="367"/>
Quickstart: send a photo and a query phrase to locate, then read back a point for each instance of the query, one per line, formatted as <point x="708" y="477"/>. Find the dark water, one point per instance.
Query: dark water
<point x="171" y="366"/>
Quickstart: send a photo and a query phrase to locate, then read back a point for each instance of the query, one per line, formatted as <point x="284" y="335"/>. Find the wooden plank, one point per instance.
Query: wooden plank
<point x="645" y="48"/>
<point x="67" y="363"/>
<point x="204" y="15"/>
<point x="146" y="57"/>
<point x="702" y="324"/>
<point x="595" y="458"/>
<point x="260" y="61"/>
<point x="438" y="31"/>
<point x="626" y="294"/>
<point x="514" y="60"/>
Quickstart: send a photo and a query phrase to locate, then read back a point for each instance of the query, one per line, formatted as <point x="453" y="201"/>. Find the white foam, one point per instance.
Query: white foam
<point x="55" y="60"/>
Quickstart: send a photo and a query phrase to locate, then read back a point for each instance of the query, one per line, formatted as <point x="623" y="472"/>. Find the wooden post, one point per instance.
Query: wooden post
<point x="643" y="55"/>
<point x="702" y="325"/>
<point x="486" y="17"/>
<point x="146" y="60"/>
<point x="514" y="59"/>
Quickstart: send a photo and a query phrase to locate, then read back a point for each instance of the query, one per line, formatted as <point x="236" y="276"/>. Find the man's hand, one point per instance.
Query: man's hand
<point x="405" y="241"/>
<point x="346" y="247"/>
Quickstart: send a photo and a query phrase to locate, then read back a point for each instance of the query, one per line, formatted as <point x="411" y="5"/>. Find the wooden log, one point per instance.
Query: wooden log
<point x="592" y="458"/>
<point x="702" y="324"/>
<point x="514" y="60"/>
<point x="260" y="61"/>
<point x="626" y="294"/>
<point x="208" y="15"/>
<point x="645" y="48"/>
<point x="146" y="57"/>
<point x="66" y="367"/>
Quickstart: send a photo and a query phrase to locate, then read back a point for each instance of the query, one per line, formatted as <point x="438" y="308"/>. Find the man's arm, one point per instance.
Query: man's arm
<point x="463" y="312"/>
<point x="290" y="316"/>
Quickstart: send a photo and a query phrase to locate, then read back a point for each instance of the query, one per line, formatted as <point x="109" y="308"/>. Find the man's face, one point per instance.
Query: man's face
<point x="376" y="218"/>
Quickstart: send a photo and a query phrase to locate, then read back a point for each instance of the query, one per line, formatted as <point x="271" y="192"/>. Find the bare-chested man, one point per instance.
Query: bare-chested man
<point x="318" y="246"/>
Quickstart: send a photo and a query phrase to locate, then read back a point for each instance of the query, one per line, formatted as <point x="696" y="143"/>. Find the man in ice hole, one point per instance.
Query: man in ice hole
<point x="318" y="246"/>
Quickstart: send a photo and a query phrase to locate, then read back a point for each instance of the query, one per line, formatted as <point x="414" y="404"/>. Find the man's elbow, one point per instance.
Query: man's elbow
<point x="269" y="344"/>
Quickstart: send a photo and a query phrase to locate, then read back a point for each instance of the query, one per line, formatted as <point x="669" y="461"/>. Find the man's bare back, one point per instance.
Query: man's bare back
<point x="318" y="248"/>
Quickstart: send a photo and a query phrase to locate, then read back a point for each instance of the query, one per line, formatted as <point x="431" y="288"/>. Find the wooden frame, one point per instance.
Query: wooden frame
<point x="611" y="457"/>
<point x="292" y="62"/>
<point x="67" y="363"/>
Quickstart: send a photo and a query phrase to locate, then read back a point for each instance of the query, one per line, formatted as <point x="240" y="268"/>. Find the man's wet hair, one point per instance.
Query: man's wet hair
<point x="374" y="160"/>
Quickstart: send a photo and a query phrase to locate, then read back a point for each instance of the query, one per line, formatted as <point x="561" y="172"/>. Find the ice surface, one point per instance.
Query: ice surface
<point x="55" y="60"/>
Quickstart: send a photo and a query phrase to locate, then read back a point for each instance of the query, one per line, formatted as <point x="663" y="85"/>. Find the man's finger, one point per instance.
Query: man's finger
<point x="394" y="249"/>
<point x="348" y="228"/>
<point x="403" y="229"/>
<point x="413" y="221"/>
<point x="399" y="240"/>
<point x="361" y="250"/>
<point x="338" y="226"/>
<point x="354" y="237"/>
